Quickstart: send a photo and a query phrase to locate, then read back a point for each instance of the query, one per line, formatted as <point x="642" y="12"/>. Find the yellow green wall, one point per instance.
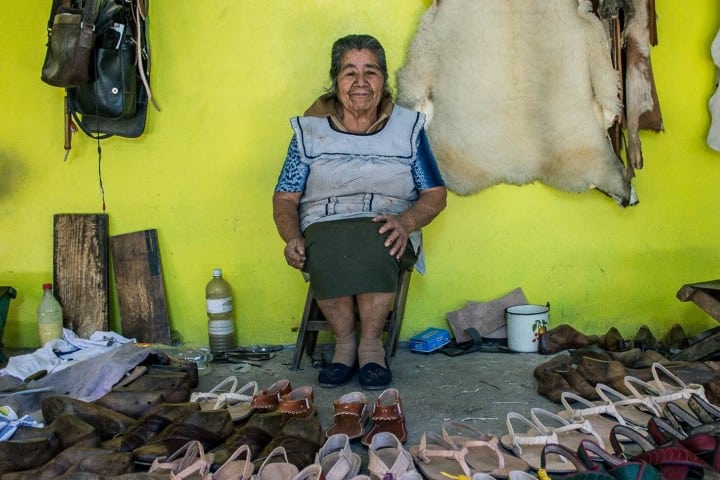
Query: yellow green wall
<point x="229" y="73"/>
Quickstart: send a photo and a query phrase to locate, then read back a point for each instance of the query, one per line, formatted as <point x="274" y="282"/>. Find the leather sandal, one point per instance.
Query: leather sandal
<point x="593" y="455"/>
<point x="190" y="458"/>
<point x="387" y="416"/>
<point x="350" y="412"/>
<point x="209" y="400"/>
<point x="235" y="468"/>
<point x="336" y="459"/>
<point x="268" y="400"/>
<point x="673" y="460"/>
<point x="298" y="403"/>
<point x="388" y="459"/>
<point x="239" y="402"/>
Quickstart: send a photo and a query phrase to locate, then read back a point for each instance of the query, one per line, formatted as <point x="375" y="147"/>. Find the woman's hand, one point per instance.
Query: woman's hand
<point x="295" y="252"/>
<point x="397" y="235"/>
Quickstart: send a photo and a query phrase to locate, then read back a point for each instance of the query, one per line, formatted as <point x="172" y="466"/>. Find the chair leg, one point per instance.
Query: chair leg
<point x="302" y="337"/>
<point x="396" y="316"/>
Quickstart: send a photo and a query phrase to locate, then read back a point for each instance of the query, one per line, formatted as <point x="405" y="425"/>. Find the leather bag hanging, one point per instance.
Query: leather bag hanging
<point x="71" y="36"/>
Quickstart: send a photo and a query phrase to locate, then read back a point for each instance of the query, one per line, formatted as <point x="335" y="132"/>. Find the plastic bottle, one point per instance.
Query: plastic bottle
<point x="218" y="298"/>
<point x="49" y="316"/>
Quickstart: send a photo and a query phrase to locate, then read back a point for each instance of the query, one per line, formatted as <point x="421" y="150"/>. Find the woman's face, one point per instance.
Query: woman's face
<point x="360" y="82"/>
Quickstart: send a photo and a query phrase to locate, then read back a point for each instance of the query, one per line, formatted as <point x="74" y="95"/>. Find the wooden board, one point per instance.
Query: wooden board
<point x="705" y="295"/>
<point x="140" y="289"/>
<point x="80" y="271"/>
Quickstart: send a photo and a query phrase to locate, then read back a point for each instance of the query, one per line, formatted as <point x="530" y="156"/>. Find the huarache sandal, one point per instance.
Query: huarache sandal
<point x="187" y="460"/>
<point x="437" y="459"/>
<point x="529" y="445"/>
<point x="635" y="410"/>
<point x="602" y="416"/>
<point x="209" y="400"/>
<point x="386" y="456"/>
<point x="238" y="403"/>
<point x="387" y="416"/>
<point x="673" y="460"/>
<point x="483" y="452"/>
<point x="298" y="403"/>
<point x="234" y="468"/>
<point x="277" y="467"/>
<point x="350" y="413"/>
<point x="671" y="387"/>
<point x="269" y="400"/>
<point x="337" y="460"/>
<point x="594" y="456"/>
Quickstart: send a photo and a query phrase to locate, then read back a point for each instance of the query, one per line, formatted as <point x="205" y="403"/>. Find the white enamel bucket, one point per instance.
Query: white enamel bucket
<point x="523" y="323"/>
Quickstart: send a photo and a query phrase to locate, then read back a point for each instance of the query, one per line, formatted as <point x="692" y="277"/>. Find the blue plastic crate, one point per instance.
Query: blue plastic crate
<point x="429" y="340"/>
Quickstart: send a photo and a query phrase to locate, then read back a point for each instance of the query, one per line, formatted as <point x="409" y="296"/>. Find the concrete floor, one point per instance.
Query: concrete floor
<point x="478" y="388"/>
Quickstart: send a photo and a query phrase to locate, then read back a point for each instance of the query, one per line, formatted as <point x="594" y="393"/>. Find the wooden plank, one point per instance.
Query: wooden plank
<point x="699" y="350"/>
<point x="705" y="295"/>
<point x="80" y="271"/>
<point x="140" y="289"/>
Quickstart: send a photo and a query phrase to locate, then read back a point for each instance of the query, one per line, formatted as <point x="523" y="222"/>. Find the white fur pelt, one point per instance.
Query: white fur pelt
<point x="516" y="91"/>
<point x="713" y="139"/>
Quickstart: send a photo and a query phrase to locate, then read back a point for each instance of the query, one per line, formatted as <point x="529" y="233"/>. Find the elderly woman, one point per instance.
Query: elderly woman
<point x="358" y="183"/>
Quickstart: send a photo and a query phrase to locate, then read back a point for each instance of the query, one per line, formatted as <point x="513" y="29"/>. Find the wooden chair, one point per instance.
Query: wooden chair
<point x="313" y="321"/>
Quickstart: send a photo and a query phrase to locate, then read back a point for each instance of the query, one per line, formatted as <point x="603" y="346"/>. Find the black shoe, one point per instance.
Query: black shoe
<point x="335" y="374"/>
<point x="374" y="377"/>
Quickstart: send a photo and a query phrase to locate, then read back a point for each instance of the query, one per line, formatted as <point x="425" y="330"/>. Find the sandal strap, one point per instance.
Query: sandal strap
<point x="425" y="455"/>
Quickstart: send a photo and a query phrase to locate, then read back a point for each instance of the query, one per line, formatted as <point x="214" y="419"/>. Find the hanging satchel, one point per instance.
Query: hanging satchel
<point x="71" y="36"/>
<point x="115" y="100"/>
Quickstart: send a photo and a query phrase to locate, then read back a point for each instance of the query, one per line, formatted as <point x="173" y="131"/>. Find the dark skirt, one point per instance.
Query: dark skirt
<point x="346" y="257"/>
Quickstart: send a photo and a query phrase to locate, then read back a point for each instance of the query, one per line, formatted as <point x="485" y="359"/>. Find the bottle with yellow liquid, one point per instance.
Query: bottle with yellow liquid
<point x="49" y="316"/>
<point x="221" y="328"/>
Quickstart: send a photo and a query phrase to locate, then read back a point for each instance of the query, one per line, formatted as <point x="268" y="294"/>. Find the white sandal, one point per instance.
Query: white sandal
<point x="208" y="400"/>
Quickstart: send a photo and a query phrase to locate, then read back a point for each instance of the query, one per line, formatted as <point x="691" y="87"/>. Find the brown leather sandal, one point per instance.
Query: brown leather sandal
<point x="351" y="413"/>
<point x="388" y="416"/>
<point x="298" y="403"/>
<point x="268" y="400"/>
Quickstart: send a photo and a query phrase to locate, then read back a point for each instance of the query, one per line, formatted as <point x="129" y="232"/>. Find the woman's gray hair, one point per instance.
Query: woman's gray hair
<point x="356" y="42"/>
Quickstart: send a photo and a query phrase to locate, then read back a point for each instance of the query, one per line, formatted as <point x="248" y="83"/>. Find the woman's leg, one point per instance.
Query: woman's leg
<point x="340" y="314"/>
<point x="374" y="309"/>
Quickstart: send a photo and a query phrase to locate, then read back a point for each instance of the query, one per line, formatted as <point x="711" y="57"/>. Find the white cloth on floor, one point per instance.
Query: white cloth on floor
<point x="58" y="354"/>
<point x="9" y="422"/>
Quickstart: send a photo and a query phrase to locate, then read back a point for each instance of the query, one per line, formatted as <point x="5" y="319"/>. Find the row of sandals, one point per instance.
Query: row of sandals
<point x="667" y="429"/>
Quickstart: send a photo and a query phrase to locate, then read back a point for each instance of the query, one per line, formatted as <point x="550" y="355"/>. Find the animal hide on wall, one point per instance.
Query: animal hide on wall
<point x="517" y="91"/>
<point x="713" y="139"/>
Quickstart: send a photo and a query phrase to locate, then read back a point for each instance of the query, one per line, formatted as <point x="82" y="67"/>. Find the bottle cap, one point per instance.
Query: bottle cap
<point x="47" y="286"/>
<point x="217" y="272"/>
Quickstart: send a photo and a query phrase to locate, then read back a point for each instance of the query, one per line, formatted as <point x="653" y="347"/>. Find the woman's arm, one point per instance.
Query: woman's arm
<point x="287" y="221"/>
<point x="430" y="203"/>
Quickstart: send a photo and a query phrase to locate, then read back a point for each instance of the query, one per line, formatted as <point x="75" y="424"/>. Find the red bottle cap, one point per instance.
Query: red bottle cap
<point x="47" y="286"/>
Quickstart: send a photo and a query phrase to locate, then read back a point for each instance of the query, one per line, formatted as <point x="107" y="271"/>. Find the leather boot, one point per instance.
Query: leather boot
<point x="33" y="447"/>
<point x="143" y="430"/>
<point x="644" y="339"/>
<point x="259" y="430"/>
<point x="175" y="386"/>
<point x="563" y="337"/>
<point x="628" y="357"/>
<point x="132" y="404"/>
<point x="610" y="373"/>
<point x="578" y="383"/>
<point x="675" y="340"/>
<point x="98" y="461"/>
<point x="552" y="384"/>
<point x="558" y="362"/>
<point x="108" y="423"/>
<point x="648" y="357"/>
<point x="301" y="437"/>
<point x="613" y="341"/>
<point x="211" y="428"/>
